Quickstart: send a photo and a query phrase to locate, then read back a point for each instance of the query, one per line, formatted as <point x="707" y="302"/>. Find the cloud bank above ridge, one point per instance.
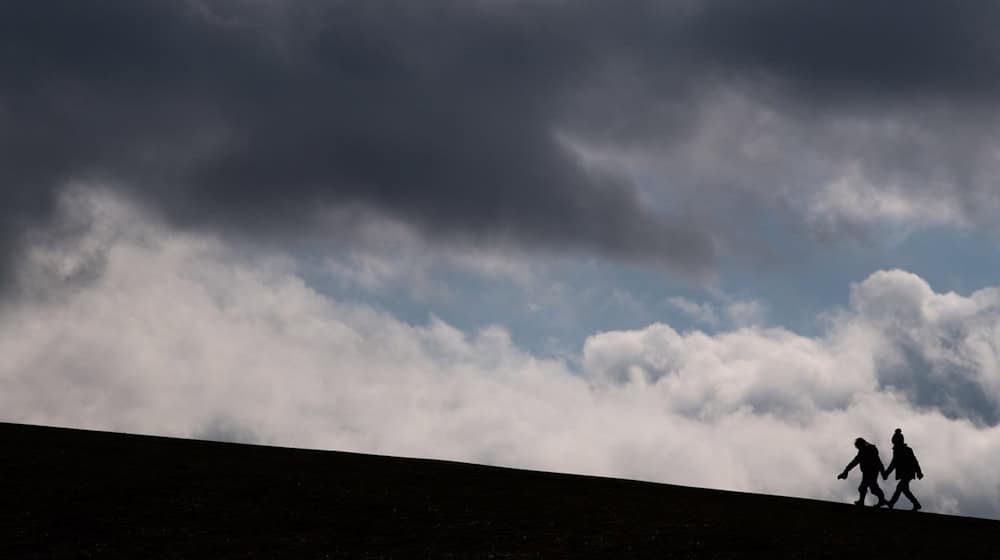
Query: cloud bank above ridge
<point x="129" y="325"/>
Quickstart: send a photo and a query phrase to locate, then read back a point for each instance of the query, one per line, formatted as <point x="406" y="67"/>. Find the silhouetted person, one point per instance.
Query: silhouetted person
<point x="904" y="462"/>
<point x="871" y="467"/>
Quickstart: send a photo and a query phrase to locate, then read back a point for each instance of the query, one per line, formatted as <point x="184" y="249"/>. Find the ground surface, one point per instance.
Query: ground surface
<point x="77" y="494"/>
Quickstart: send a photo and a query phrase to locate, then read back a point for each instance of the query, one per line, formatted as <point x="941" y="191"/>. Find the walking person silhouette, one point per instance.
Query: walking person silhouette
<point x="871" y="467"/>
<point x="904" y="462"/>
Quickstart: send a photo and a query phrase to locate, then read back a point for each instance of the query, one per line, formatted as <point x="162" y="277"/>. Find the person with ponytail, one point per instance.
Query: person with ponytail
<point x="904" y="462"/>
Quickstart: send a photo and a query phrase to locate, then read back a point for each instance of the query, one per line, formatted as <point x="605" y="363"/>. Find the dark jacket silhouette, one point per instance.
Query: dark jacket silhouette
<point x="871" y="466"/>
<point x="867" y="458"/>
<point x="904" y="462"/>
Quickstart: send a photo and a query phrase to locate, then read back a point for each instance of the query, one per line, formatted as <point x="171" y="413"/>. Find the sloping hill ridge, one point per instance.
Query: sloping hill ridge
<point x="76" y="494"/>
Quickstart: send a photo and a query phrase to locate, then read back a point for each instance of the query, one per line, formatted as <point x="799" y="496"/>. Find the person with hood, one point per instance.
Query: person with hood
<point x="871" y="467"/>
<point x="904" y="462"/>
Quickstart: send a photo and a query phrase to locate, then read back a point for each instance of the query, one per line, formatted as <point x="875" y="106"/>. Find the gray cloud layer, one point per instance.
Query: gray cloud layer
<point x="462" y="118"/>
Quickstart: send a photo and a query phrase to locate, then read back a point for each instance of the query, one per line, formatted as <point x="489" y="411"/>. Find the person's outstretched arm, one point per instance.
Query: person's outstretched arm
<point x="916" y="465"/>
<point x="851" y="465"/>
<point x="888" y="470"/>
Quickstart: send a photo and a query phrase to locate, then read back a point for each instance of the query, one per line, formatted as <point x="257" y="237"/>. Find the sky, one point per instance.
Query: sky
<point x="705" y="243"/>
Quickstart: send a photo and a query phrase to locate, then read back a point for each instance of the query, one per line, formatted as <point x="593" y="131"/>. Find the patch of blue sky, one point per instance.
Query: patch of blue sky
<point x="576" y="298"/>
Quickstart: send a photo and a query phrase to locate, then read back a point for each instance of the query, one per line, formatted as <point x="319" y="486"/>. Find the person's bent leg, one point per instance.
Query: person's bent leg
<point x="909" y="495"/>
<point x="862" y="492"/>
<point x="869" y="482"/>
<point x="895" y="495"/>
<point x="878" y="493"/>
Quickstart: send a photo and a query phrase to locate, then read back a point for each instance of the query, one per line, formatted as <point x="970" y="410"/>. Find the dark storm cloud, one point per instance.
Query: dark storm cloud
<point x="874" y="47"/>
<point x="249" y="116"/>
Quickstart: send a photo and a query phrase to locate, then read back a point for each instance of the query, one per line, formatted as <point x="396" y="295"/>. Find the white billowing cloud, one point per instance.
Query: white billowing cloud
<point x="941" y="350"/>
<point x="709" y="377"/>
<point x="130" y="326"/>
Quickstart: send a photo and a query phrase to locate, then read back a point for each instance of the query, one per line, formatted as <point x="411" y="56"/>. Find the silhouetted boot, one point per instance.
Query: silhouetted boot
<point x="916" y="507"/>
<point x="890" y="504"/>
<point x="860" y="502"/>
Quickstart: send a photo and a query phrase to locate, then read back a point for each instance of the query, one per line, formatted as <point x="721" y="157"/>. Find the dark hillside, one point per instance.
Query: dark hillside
<point x="72" y="494"/>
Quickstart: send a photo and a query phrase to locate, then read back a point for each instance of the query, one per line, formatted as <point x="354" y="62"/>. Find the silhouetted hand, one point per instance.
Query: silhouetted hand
<point x="920" y="475"/>
<point x="842" y="476"/>
<point x="885" y="476"/>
